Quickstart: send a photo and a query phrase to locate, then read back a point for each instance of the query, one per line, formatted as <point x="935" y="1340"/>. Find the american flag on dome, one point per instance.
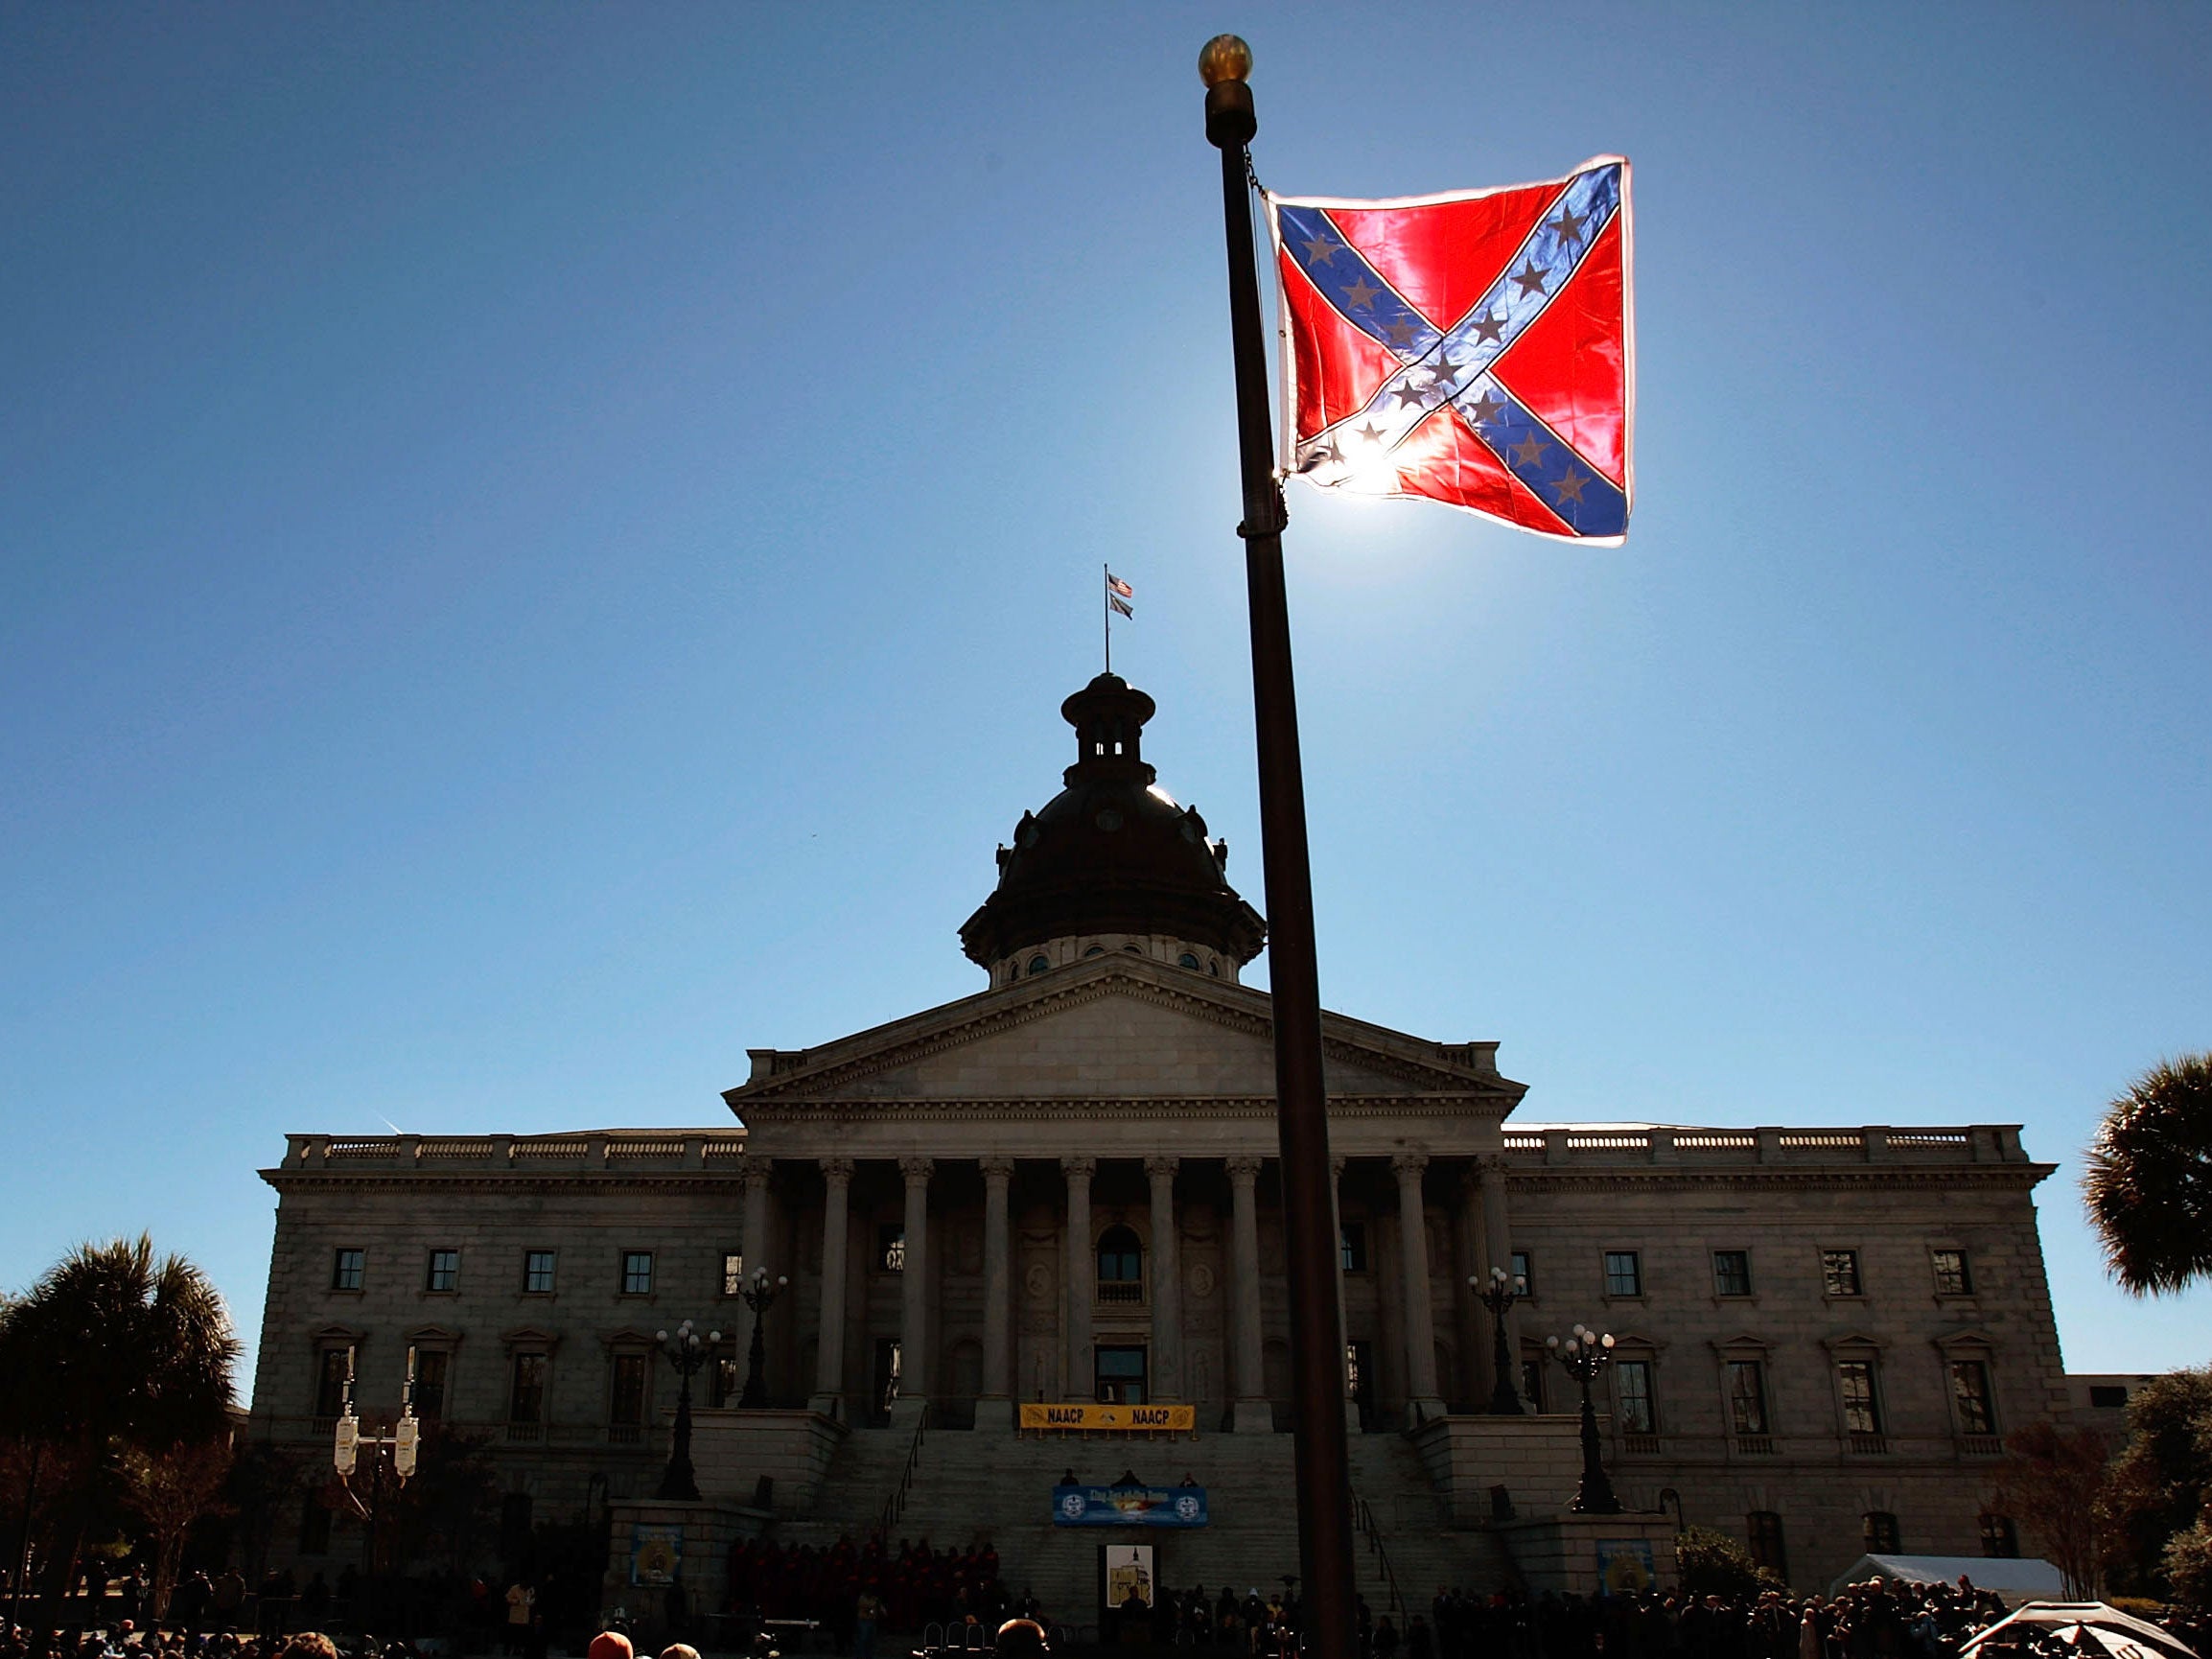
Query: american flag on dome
<point x="1477" y="349"/>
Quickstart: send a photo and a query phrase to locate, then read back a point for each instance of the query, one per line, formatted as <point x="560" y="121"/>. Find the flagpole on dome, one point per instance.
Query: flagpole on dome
<point x="1310" y="1240"/>
<point x="1106" y="606"/>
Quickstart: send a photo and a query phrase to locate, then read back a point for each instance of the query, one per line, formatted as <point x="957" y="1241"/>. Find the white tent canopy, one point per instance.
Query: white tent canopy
<point x="2013" y="1579"/>
<point x="2092" y="1626"/>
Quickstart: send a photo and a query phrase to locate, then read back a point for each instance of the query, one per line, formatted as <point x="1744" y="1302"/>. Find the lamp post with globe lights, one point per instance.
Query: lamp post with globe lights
<point x="759" y="1296"/>
<point x="395" y="1451"/>
<point x="1499" y="1296"/>
<point x="1585" y="1353"/>
<point x="679" y="1482"/>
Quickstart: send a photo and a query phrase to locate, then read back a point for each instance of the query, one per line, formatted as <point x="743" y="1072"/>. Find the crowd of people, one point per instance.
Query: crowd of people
<point x="840" y="1597"/>
<point x="906" y="1588"/>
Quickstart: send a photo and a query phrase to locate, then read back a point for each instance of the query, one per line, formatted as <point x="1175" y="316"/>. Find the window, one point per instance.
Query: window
<point x="1532" y="1384"/>
<point x="1952" y="1276"/>
<point x="1732" y="1272"/>
<point x="890" y="1247"/>
<point x="332" y="1368"/>
<point x="1878" y="1530"/>
<point x="1623" y="1274"/>
<point x="429" y="1369"/>
<point x="314" y="1526"/>
<point x="1037" y="965"/>
<point x="1120" y="1268"/>
<point x="1187" y="960"/>
<point x="1839" y="1272"/>
<point x="1763" y="1532"/>
<point x="2107" y="1396"/>
<point x="538" y="1272"/>
<point x="637" y="1272"/>
<point x="1093" y="950"/>
<point x="722" y="1384"/>
<point x="1632" y="1394"/>
<point x="1523" y="1269"/>
<point x="347" y="1268"/>
<point x="445" y="1273"/>
<point x="526" y="1395"/>
<point x="733" y="1273"/>
<point x="1353" y="1242"/>
<point x="2000" y="1538"/>
<point x="1970" y="1389"/>
<point x="1861" y="1410"/>
<point x="626" y="1399"/>
<point x="1747" y="1396"/>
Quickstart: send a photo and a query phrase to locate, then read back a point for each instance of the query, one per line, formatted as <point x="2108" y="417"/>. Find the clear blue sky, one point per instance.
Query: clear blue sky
<point x="541" y="545"/>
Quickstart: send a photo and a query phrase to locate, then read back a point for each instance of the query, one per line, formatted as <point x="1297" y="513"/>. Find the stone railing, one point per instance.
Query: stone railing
<point x="1619" y="1144"/>
<point x="636" y="1151"/>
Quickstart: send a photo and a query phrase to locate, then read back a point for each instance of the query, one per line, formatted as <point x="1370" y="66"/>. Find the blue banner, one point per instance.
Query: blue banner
<point x="1129" y="1505"/>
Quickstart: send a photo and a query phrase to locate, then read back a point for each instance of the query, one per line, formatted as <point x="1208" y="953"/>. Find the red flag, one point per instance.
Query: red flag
<point x="1477" y="349"/>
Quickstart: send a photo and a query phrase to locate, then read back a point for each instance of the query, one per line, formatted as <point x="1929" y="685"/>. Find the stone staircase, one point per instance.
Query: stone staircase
<point x="971" y="1486"/>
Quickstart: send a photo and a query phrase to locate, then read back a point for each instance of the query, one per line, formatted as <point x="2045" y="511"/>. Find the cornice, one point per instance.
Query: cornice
<point x="1612" y="1178"/>
<point x="287" y="1181"/>
<point x="992" y="1108"/>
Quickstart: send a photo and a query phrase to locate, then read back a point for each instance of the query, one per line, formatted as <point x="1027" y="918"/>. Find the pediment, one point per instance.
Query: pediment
<point x="1120" y="1028"/>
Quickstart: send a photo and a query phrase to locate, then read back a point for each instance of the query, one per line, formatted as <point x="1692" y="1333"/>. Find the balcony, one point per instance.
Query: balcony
<point x="1864" y="1444"/>
<point x="1755" y="1445"/>
<point x="1633" y="1445"/>
<point x="526" y="1434"/>
<point x="625" y="1434"/>
<point x="1122" y="1292"/>
<point x="1982" y="1445"/>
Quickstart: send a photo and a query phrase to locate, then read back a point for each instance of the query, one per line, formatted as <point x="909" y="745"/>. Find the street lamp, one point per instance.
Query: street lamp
<point x="1498" y="1295"/>
<point x="759" y="1296"/>
<point x="1585" y="1354"/>
<point x="686" y="1353"/>
<point x="395" y="1451"/>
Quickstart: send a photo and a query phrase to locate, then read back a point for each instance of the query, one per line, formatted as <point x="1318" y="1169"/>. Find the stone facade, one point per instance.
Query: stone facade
<point x="946" y="1183"/>
<point x="1064" y="1187"/>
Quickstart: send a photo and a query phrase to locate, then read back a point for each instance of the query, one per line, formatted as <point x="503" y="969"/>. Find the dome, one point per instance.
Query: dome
<point x="1112" y="853"/>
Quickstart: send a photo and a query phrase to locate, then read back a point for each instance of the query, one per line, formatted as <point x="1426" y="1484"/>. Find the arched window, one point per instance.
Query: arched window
<point x="1037" y="965"/>
<point x="1121" y="1265"/>
<point x="1880" y="1532"/>
<point x="1094" y="950"/>
<point x="1187" y="960"/>
<point x="2000" y="1538"/>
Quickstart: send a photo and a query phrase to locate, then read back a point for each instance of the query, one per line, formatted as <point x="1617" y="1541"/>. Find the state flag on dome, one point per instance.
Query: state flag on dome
<point x="1477" y="349"/>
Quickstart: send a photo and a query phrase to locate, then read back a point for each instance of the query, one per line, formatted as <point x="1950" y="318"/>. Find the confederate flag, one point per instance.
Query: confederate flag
<point x="1475" y="348"/>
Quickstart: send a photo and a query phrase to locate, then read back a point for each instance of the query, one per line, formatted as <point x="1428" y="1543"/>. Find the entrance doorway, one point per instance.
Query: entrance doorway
<point x="1359" y="1374"/>
<point x="1121" y="1375"/>
<point x="886" y="1376"/>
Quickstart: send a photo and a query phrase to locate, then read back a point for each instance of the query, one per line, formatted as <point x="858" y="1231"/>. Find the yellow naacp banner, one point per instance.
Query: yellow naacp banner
<point x="1172" y="1419"/>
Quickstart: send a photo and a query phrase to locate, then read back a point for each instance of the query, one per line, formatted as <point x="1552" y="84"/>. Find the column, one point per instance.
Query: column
<point x="752" y="1243"/>
<point x="914" y="1374"/>
<point x="1337" y="1163"/>
<point x="1165" y="1361"/>
<point x="1471" y="1260"/>
<point x="1251" y="1412"/>
<point x="1422" y="1400"/>
<point x="1498" y="1246"/>
<point x="829" y="1342"/>
<point x="1080" y="1380"/>
<point x="997" y="1276"/>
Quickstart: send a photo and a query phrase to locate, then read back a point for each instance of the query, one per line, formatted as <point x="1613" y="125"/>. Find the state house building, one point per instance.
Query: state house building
<point x="1063" y="1187"/>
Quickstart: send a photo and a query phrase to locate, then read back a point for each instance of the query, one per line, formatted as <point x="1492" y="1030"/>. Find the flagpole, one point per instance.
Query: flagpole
<point x="1106" y="607"/>
<point x="1324" y="1485"/>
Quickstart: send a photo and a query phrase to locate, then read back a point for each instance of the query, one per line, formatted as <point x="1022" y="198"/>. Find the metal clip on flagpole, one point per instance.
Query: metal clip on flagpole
<point x="1324" y="1482"/>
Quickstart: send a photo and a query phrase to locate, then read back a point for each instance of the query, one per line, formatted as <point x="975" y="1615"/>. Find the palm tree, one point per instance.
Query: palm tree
<point x="113" y="1351"/>
<point x="2149" y="1181"/>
